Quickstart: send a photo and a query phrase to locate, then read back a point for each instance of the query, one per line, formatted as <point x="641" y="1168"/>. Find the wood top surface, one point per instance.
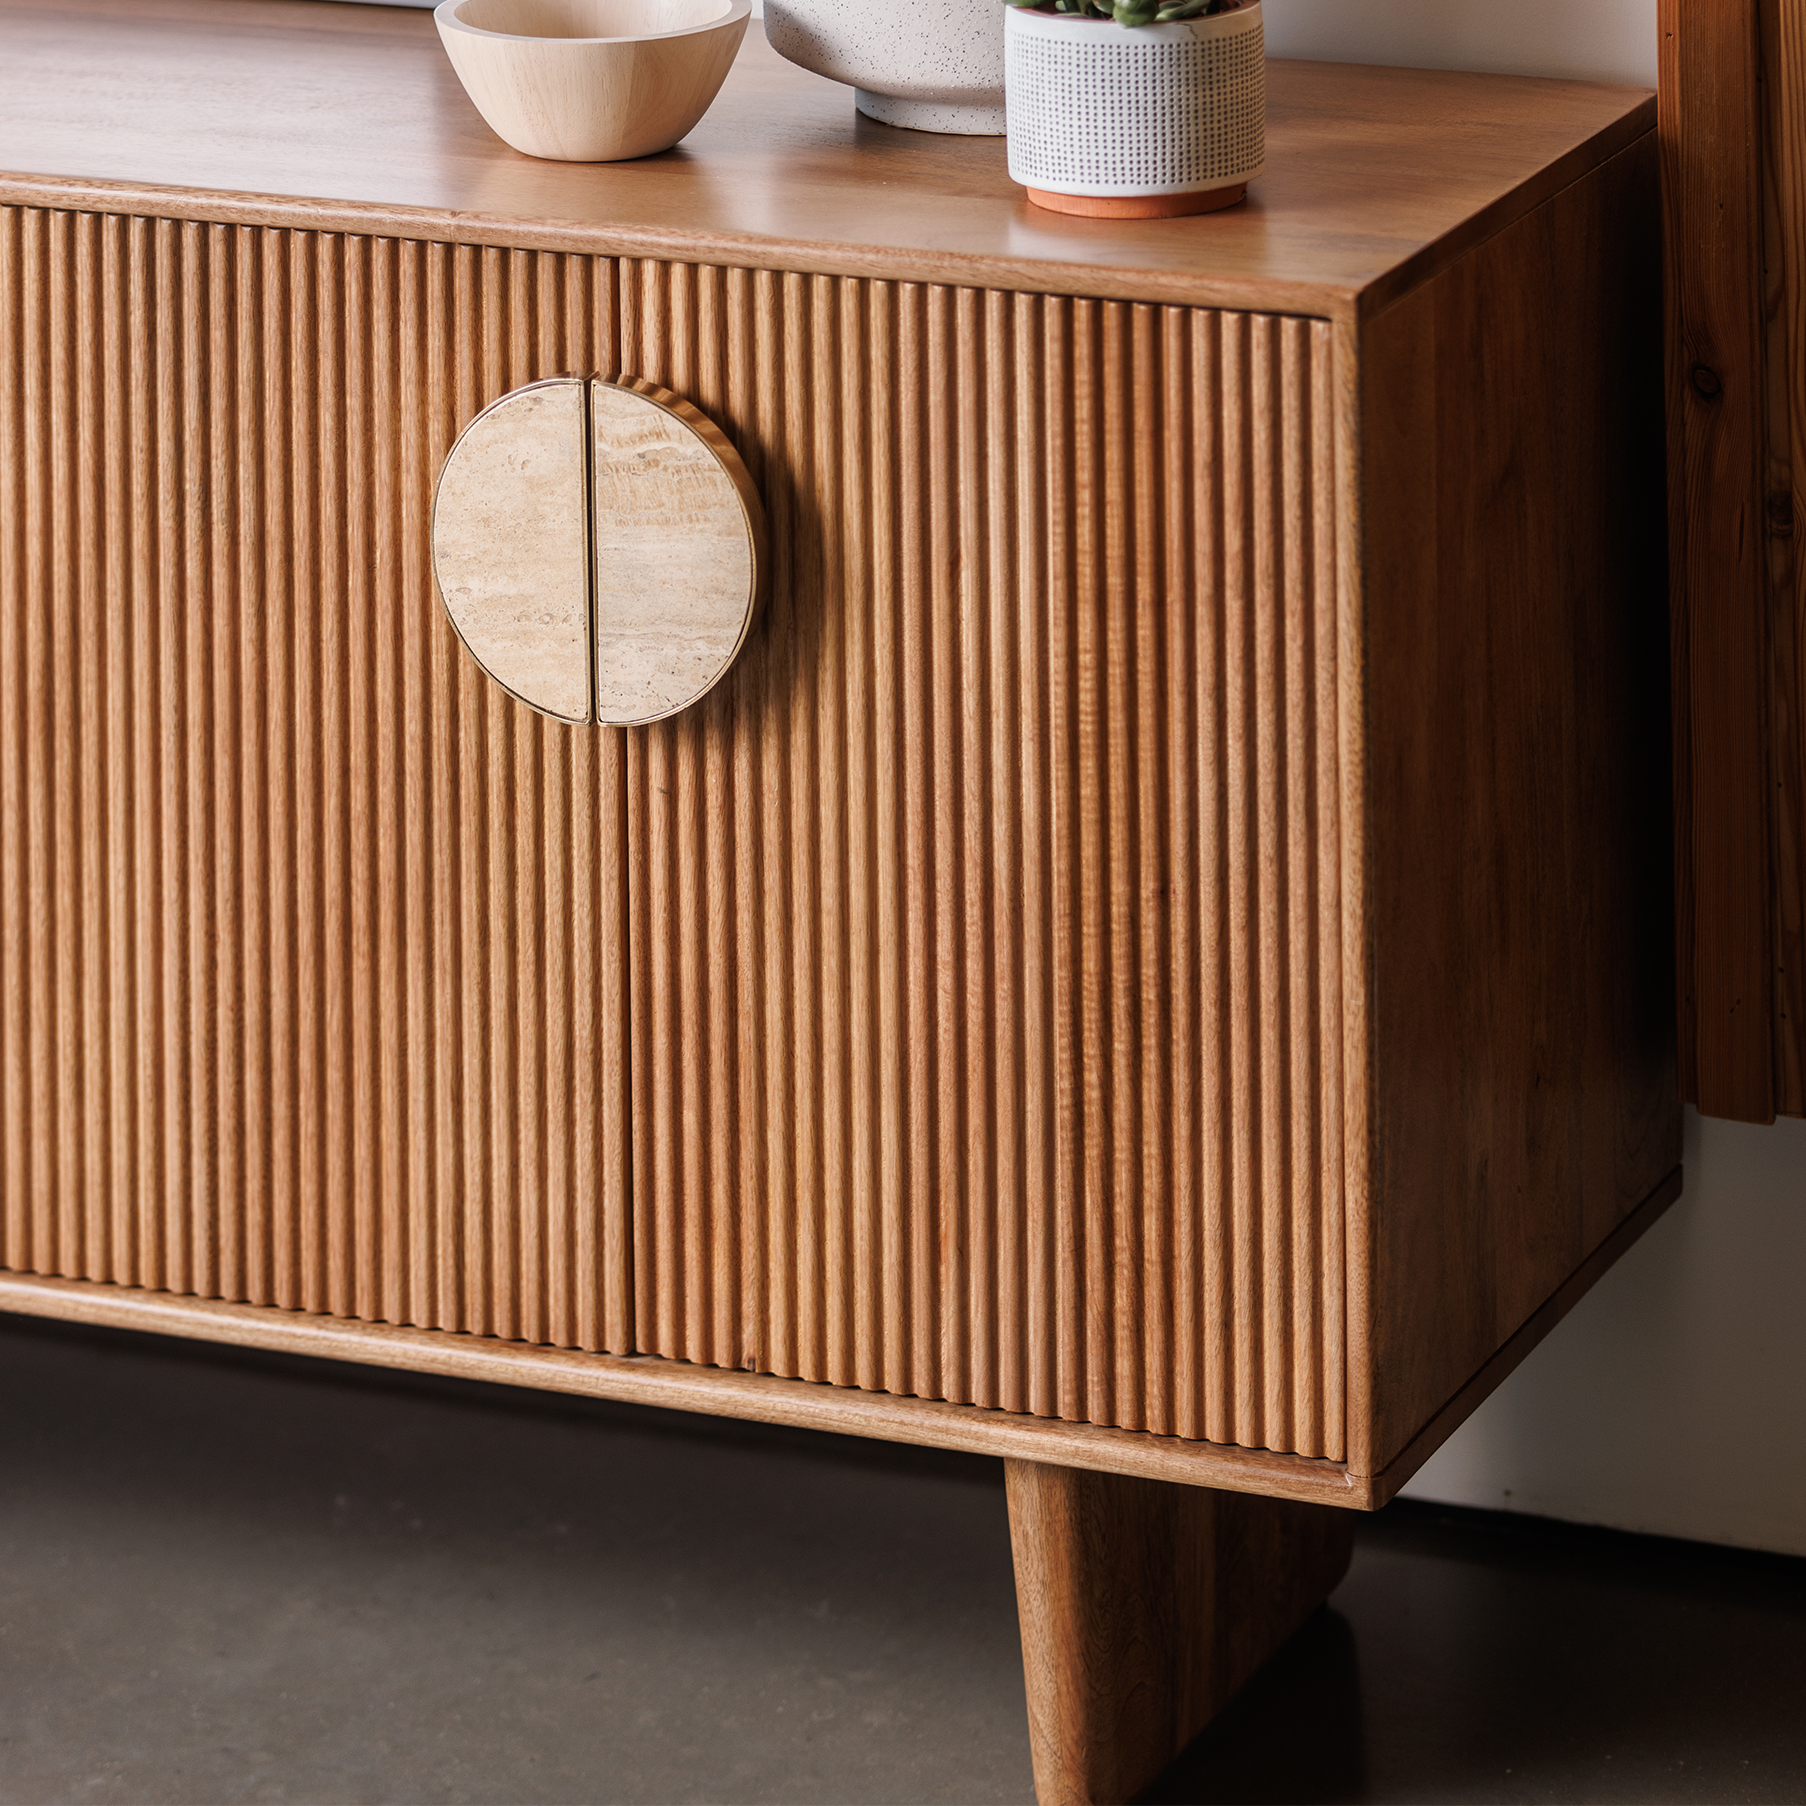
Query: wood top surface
<point x="349" y="118"/>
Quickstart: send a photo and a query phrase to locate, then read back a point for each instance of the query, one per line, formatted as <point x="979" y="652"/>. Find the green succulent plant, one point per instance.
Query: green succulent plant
<point x="1131" y="12"/>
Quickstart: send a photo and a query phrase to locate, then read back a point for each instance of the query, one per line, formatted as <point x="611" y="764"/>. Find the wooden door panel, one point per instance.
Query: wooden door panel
<point x="988" y="923"/>
<point x="312" y="988"/>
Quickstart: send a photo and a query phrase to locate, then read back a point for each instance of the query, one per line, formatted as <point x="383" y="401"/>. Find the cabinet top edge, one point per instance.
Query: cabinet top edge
<point x="349" y="119"/>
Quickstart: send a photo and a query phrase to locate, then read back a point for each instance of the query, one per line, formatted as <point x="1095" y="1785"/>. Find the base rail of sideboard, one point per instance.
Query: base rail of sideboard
<point x="681" y="1386"/>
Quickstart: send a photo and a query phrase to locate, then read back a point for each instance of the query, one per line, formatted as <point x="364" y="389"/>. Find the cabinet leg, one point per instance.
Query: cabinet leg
<point x="1145" y="1606"/>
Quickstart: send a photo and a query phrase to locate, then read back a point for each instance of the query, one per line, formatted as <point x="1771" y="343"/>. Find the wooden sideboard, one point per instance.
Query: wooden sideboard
<point x="1155" y="963"/>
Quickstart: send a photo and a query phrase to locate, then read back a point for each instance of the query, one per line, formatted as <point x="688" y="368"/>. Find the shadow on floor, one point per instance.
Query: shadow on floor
<point x="1478" y="1655"/>
<point x="234" y="1577"/>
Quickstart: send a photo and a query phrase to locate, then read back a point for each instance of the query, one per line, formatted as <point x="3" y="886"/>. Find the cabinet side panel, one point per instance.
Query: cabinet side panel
<point x="987" y="1020"/>
<point x="1523" y="1018"/>
<point x="310" y="940"/>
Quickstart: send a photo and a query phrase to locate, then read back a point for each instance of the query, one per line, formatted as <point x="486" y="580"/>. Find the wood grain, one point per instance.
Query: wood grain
<point x="1711" y="124"/>
<point x="1783" y="90"/>
<point x="1144" y="1608"/>
<point x="1377" y="176"/>
<point x="1517" y="847"/>
<point x="988" y="1042"/>
<point x="1160" y="934"/>
<point x="925" y="1098"/>
<point x="311" y="939"/>
<point x="676" y="1386"/>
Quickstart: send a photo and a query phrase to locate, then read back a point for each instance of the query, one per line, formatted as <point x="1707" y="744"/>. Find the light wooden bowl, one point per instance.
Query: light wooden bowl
<point x="592" y="81"/>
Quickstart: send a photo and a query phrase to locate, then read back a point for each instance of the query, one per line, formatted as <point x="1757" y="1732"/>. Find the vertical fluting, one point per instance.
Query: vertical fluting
<point x="114" y="1207"/>
<point x="15" y="872"/>
<point x="986" y="924"/>
<point x="311" y="948"/>
<point x="951" y="1004"/>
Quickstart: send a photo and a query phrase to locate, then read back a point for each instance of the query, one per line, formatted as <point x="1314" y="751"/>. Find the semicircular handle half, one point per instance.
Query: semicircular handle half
<point x="679" y="551"/>
<point x="511" y="544"/>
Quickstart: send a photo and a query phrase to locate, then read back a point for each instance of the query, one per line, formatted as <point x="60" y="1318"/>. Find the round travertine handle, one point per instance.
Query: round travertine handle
<point x="599" y="547"/>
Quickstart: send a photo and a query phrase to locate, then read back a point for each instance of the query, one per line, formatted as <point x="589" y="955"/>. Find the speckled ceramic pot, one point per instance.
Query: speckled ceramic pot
<point x="1136" y="122"/>
<point x="936" y="66"/>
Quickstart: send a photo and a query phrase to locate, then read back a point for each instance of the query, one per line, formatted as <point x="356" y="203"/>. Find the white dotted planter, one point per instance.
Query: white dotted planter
<point x="1136" y="122"/>
<point x="935" y="67"/>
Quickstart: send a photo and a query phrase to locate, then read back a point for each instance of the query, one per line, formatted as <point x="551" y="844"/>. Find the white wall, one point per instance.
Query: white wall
<point x="1586" y="40"/>
<point x="1673" y="1399"/>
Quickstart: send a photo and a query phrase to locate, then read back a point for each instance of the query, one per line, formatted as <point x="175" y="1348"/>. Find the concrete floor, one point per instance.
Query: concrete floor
<point x="229" y="1577"/>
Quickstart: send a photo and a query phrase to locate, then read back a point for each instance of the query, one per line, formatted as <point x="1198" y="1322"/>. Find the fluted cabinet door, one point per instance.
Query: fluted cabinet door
<point x="988" y="971"/>
<point x="312" y="941"/>
<point x="954" y="1003"/>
